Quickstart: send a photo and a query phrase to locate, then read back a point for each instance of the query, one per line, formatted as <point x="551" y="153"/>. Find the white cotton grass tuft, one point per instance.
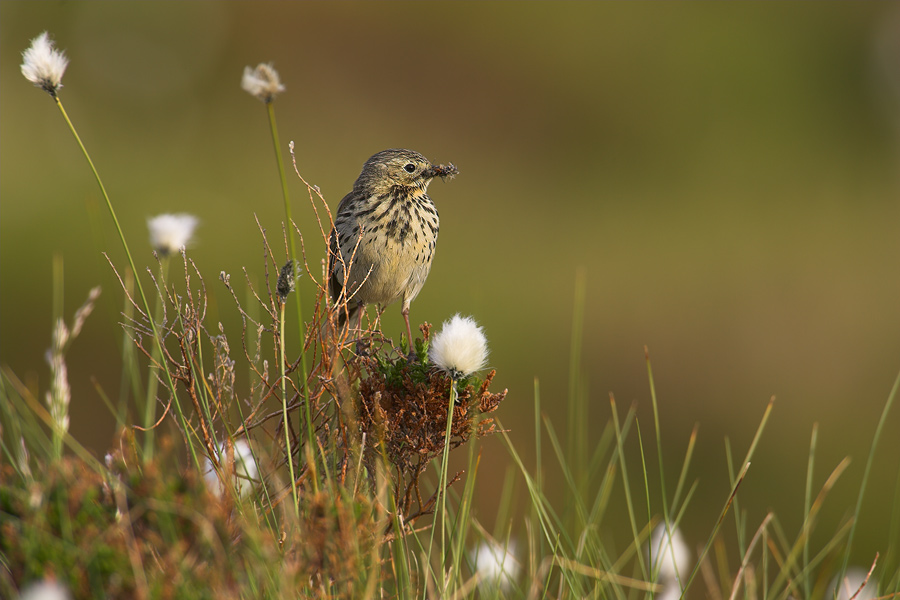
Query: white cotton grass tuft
<point x="262" y="82"/>
<point x="245" y="471"/>
<point x="171" y="233"/>
<point x="669" y="561"/>
<point x="46" y="589"/>
<point x="497" y="566"/>
<point x="43" y="65"/>
<point x="460" y="348"/>
<point x="853" y="580"/>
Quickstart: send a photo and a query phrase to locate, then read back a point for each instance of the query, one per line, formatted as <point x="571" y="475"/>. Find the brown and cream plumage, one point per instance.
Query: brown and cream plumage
<point x="384" y="235"/>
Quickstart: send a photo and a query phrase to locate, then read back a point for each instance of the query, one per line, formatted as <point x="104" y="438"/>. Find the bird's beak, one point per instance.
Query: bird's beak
<point x="448" y="170"/>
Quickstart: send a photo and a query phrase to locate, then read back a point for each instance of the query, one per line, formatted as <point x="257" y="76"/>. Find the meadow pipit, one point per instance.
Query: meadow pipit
<point x="382" y="243"/>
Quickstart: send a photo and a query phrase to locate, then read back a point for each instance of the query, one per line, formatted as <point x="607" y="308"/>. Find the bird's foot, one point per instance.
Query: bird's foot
<point x="363" y="347"/>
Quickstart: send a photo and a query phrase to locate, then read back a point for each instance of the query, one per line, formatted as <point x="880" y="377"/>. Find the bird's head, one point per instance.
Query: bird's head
<point x="401" y="167"/>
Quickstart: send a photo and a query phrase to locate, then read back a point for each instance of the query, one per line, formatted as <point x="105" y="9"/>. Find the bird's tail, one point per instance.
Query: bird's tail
<point x="346" y="314"/>
<point x="339" y="320"/>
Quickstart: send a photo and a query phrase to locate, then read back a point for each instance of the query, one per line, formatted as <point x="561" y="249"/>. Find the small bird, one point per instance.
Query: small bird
<point x="383" y="239"/>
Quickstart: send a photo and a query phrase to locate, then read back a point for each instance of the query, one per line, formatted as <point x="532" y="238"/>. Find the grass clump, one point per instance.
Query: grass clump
<point x="402" y="416"/>
<point x="153" y="531"/>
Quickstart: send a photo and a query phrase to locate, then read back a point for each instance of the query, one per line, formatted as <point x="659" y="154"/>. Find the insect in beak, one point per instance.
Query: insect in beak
<point x="448" y="170"/>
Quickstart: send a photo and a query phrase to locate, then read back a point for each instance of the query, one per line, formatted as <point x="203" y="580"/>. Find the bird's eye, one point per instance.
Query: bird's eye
<point x="410" y="168"/>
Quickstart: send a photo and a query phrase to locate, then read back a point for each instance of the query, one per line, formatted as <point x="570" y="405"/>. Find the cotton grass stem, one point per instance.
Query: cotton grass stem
<point x="310" y="433"/>
<point x="109" y="206"/>
<point x="445" y="459"/>
<point x="458" y="349"/>
<point x="152" y="381"/>
<point x="284" y="409"/>
<point x="112" y="213"/>
<point x="270" y="111"/>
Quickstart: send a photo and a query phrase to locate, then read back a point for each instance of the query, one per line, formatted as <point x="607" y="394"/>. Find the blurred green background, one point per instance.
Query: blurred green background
<point x="726" y="175"/>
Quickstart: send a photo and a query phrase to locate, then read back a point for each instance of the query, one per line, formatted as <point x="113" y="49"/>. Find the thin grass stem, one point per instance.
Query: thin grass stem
<point x="866" y="472"/>
<point x="538" y="468"/>
<point x="625" y="484"/>
<point x="715" y="531"/>
<point x="682" y="477"/>
<point x="807" y="499"/>
<point x="667" y="522"/>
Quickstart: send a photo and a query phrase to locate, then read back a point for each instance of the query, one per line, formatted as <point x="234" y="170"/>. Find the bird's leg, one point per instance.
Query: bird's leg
<point x="360" y="311"/>
<point x="362" y="346"/>
<point x="412" y="348"/>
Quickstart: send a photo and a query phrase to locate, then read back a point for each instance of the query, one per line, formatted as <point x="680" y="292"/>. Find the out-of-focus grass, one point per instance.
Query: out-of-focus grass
<point x="138" y="527"/>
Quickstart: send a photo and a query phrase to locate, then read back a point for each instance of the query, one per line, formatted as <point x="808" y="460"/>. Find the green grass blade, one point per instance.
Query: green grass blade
<point x="862" y="488"/>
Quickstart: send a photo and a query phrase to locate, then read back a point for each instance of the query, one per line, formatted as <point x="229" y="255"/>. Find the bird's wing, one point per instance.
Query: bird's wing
<point x="335" y="268"/>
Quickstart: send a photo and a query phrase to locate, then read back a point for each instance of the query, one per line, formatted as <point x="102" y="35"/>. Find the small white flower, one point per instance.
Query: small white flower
<point x="43" y="65"/>
<point x="460" y="348"/>
<point x="170" y="233"/>
<point x="262" y="82"/>
<point x="245" y="469"/>
<point x="45" y="590"/>
<point x="853" y="579"/>
<point x="668" y="560"/>
<point x="495" y="564"/>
